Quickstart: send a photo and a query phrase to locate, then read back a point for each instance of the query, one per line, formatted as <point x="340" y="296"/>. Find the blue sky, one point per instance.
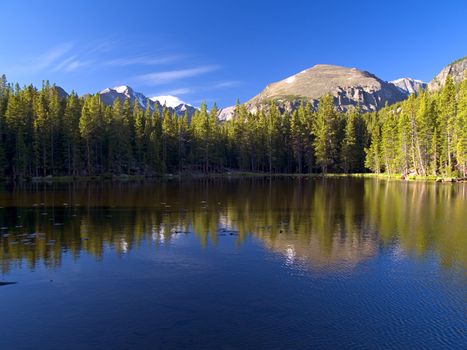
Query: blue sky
<point x="222" y="50"/>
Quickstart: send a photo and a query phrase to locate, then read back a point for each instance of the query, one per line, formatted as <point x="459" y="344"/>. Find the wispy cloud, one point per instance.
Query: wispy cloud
<point x="70" y="64"/>
<point x="180" y="91"/>
<point x="226" y="84"/>
<point x="47" y="59"/>
<point x="42" y="61"/>
<point x="63" y="64"/>
<point x="142" y="60"/>
<point x="166" y="77"/>
<point x="75" y="64"/>
<point x="101" y="46"/>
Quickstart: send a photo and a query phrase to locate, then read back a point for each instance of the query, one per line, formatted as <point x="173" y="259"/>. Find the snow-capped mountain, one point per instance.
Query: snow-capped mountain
<point x="109" y="95"/>
<point x="408" y="85"/>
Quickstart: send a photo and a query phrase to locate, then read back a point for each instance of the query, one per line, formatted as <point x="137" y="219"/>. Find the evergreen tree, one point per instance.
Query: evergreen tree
<point x="461" y="129"/>
<point x="44" y="134"/>
<point x="389" y="141"/>
<point x="16" y="116"/>
<point x="296" y="131"/>
<point x="72" y="134"/>
<point x="373" y="152"/>
<point x="447" y="118"/>
<point x="127" y="137"/>
<point x="89" y="127"/>
<point x="349" y="148"/>
<point x="324" y="130"/>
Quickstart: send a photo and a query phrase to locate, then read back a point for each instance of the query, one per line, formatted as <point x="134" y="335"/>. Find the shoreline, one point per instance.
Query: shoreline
<point x="226" y="175"/>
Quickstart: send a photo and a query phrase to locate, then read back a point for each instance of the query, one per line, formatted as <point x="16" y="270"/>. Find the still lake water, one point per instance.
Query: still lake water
<point x="227" y="264"/>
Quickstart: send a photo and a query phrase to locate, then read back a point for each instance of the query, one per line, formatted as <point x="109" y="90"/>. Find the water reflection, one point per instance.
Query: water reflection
<point x="332" y="223"/>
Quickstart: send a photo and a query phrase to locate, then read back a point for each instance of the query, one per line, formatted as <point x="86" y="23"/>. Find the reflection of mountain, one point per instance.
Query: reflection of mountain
<point x="341" y="254"/>
<point x="325" y="223"/>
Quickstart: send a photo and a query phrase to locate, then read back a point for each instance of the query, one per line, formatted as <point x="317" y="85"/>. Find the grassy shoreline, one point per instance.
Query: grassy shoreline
<point x="227" y="175"/>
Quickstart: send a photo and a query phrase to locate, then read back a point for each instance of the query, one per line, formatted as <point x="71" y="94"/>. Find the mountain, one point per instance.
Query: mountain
<point x="455" y="69"/>
<point x="226" y="113"/>
<point x="349" y="86"/>
<point x="109" y="95"/>
<point x="61" y="92"/>
<point x="409" y="86"/>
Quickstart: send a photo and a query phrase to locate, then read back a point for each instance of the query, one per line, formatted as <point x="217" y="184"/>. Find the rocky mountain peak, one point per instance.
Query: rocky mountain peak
<point x="349" y="86"/>
<point x="109" y="95"/>
<point x="409" y="86"/>
<point x="455" y="69"/>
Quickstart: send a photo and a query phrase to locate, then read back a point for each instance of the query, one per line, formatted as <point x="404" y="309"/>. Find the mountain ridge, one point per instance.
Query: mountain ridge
<point x="109" y="95"/>
<point x="370" y="92"/>
<point x="409" y="85"/>
<point x="350" y="87"/>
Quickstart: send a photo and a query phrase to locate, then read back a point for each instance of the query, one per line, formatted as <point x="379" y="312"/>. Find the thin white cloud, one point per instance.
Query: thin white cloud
<point x="142" y="60"/>
<point x="41" y="62"/>
<point x="180" y="91"/>
<point x="226" y="84"/>
<point x="45" y="60"/>
<point x="63" y="64"/>
<point x="102" y="46"/>
<point x="70" y="64"/>
<point x="166" y="77"/>
<point x="73" y="65"/>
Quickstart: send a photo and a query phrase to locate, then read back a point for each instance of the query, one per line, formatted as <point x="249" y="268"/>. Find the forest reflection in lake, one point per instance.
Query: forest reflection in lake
<point x="324" y="222"/>
<point x="319" y="230"/>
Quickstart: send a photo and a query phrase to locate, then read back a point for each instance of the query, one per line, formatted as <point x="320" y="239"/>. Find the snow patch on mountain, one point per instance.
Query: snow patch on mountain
<point x="123" y="89"/>
<point x="169" y="101"/>
<point x="105" y="91"/>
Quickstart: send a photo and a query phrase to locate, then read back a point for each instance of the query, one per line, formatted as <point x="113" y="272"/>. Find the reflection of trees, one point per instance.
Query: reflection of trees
<point x="322" y="222"/>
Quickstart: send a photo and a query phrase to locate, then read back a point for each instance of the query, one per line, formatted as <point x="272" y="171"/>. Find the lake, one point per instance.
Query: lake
<point x="242" y="263"/>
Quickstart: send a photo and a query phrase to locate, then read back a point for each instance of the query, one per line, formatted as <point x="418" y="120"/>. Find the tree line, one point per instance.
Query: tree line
<point x="43" y="133"/>
<point x="423" y="135"/>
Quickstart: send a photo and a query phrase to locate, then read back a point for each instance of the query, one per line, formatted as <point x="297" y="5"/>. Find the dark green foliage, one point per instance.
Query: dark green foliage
<point x="44" y="134"/>
<point x="423" y="135"/>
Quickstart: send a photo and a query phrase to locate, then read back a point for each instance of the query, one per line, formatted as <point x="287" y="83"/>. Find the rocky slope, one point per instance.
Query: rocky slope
<point x="455" y="69"/>
<point x="109" y="95"/>
<point x="408" y="85"/>
<point x="226" y="113"/>
<point x="61" y="92"/>
<point x="349" y="86"/>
